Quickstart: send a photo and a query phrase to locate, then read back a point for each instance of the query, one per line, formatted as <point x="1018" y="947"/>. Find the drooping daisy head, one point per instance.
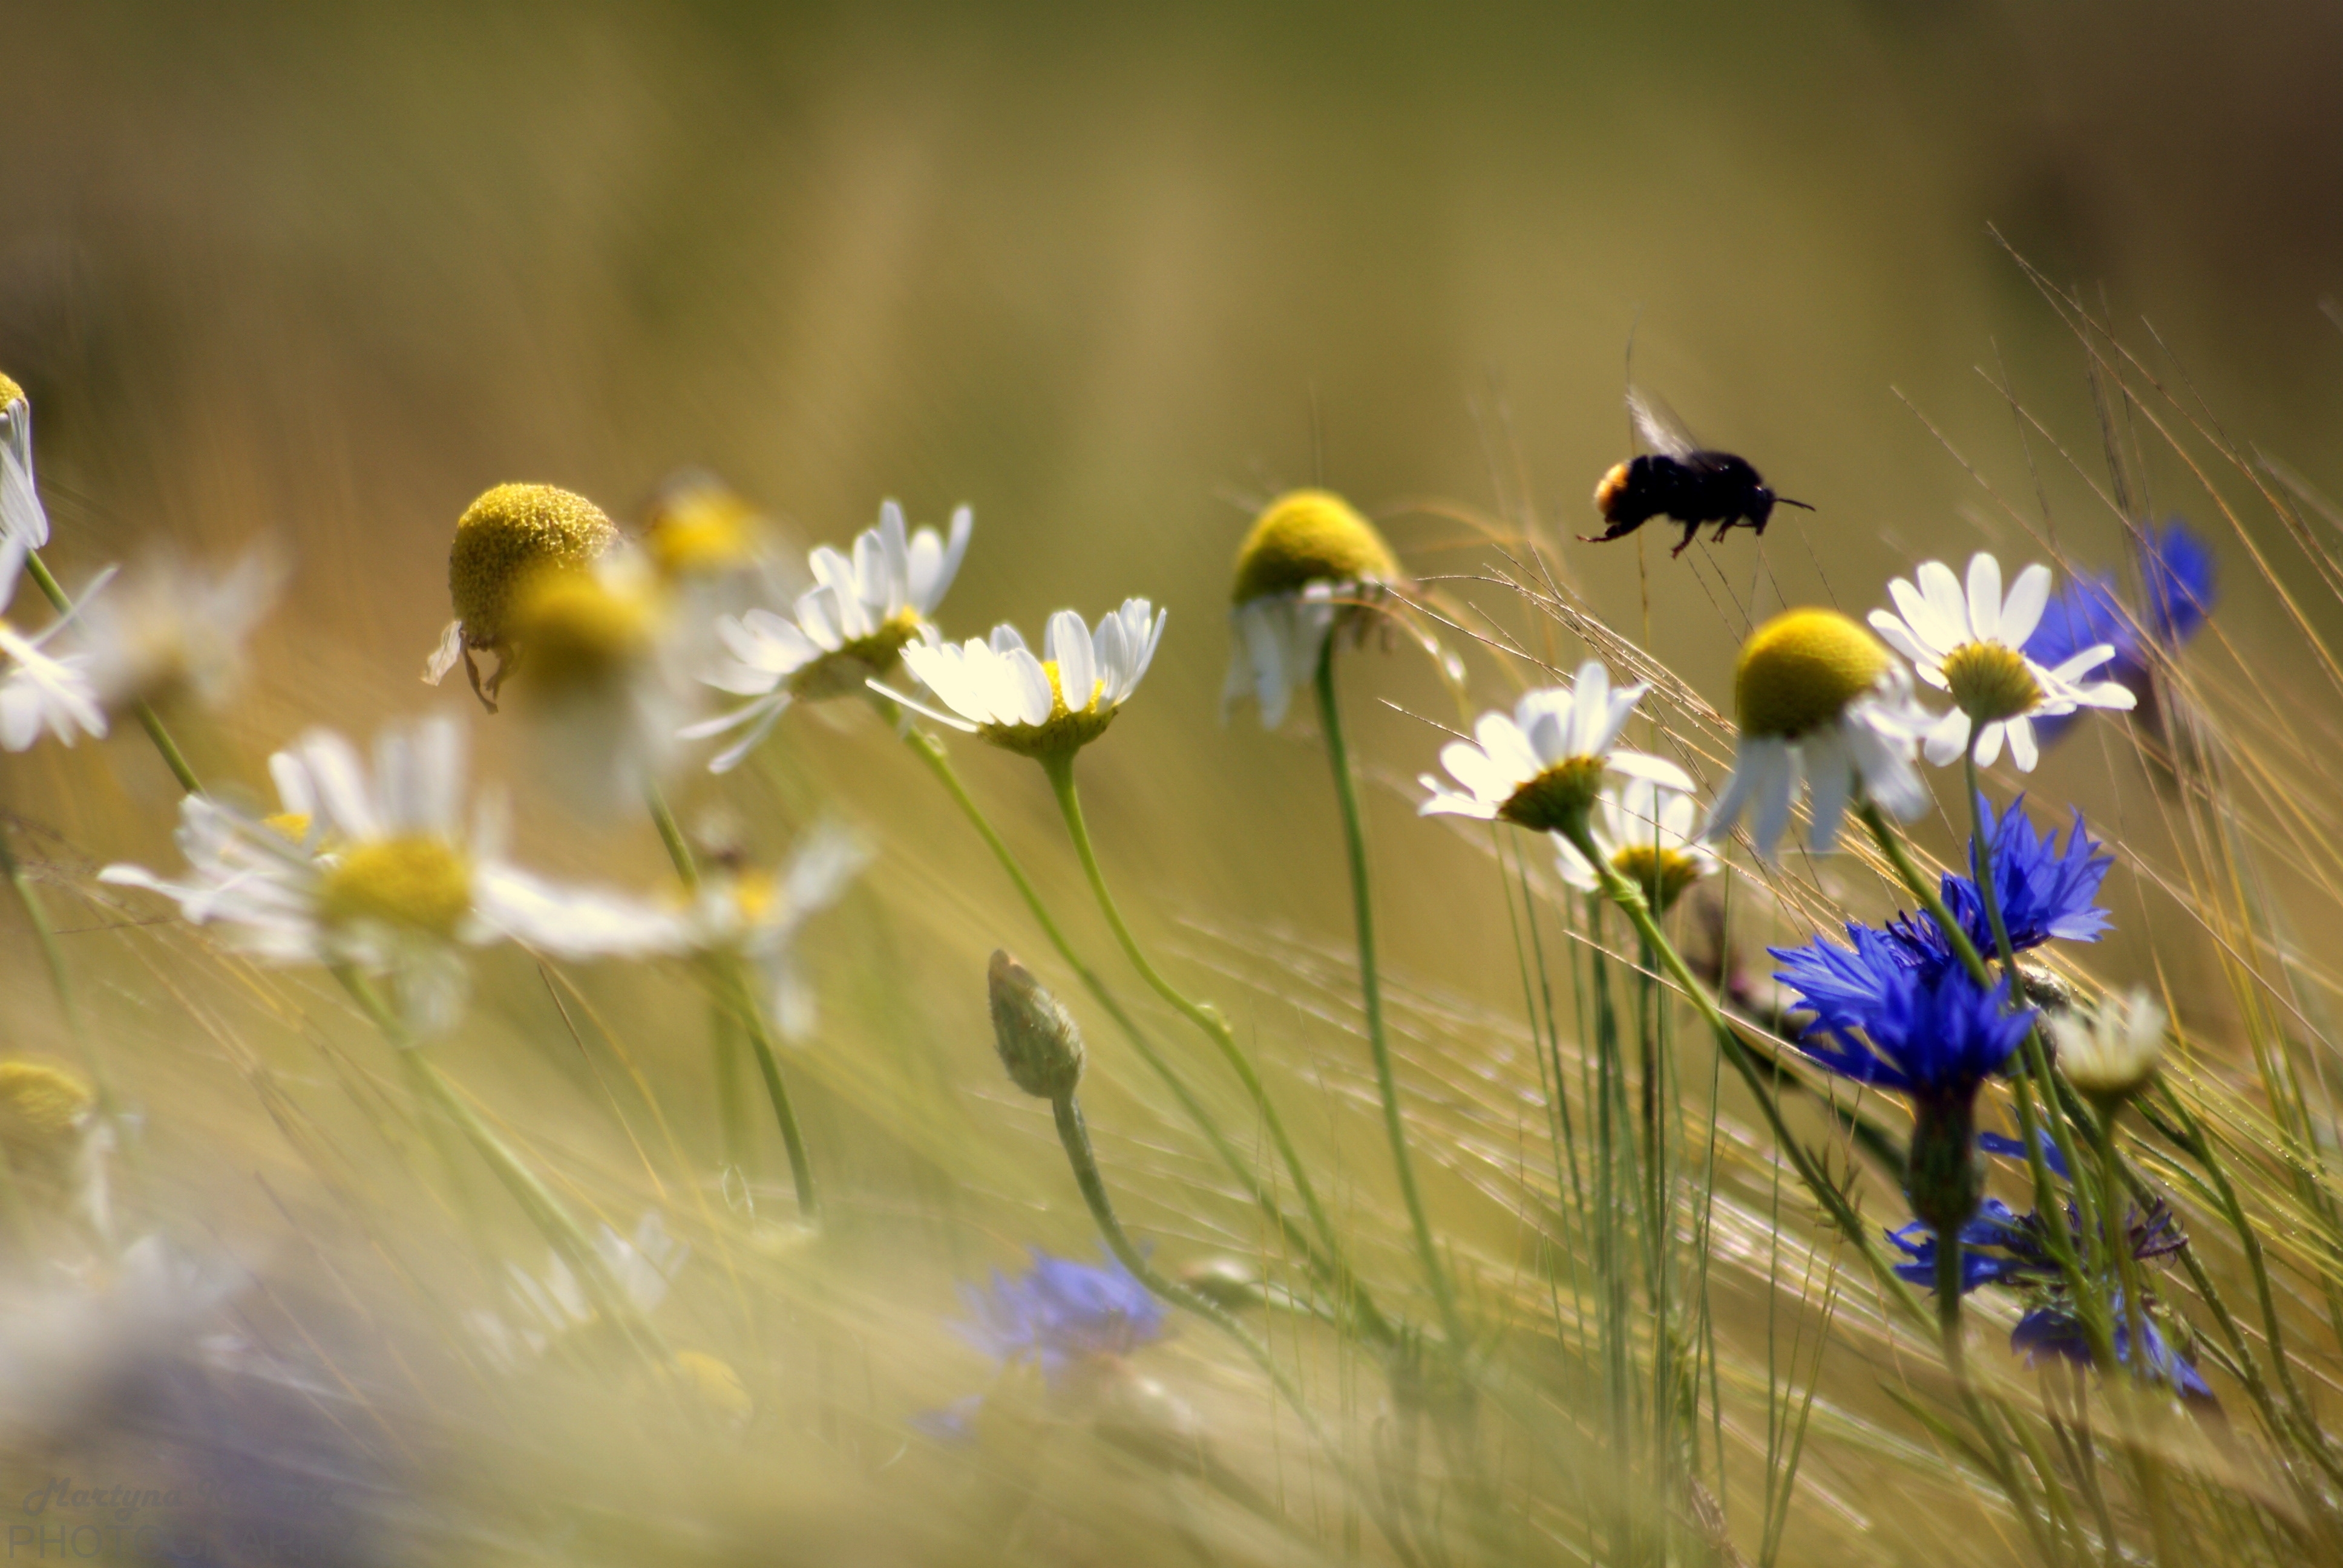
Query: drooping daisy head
<point x="1644" y="831"/>
<point x="512" y="535"/>
<point x="1309" y="562"/>
<point x="1542" y="766"/>
<point x="1047" y="708"/>
<point x="1973" y="647"/>
<point x="2111" y="1054"/>
<point x="841" y="633"/>
<point x="377" y="868"/>
<point x="1819" y="700"/>
<point x="167" y="629"/>
<point x="40" y="692"/>
<point x="23" y="519"/>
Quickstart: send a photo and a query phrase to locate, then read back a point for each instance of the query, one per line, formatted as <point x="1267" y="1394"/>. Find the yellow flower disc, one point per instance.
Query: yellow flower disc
<point x="41" y="1107"/>
<point x="508" y="534"/>
<point x="1308" y="536"/>
<point x="416" y="880"/>
<point x="1990" y="682"/>
<point x="581" y="633"/>
<point x="10" y="392"/>
<point x="1800" y="670"/>
<point x="700" y="528"/>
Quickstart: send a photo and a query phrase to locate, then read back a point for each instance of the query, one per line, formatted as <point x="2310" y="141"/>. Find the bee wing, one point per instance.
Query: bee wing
<point x="1657" y="423"/>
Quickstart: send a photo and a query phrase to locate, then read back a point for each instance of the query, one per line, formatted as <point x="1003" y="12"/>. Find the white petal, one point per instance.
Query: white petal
<point x="1947" y="739"/>
<point x="1899" y="636"/>
<point x="1508" y="747"/>
<point x="1590" y="706"/>
<point x="1004" y="638"/>
<point x="1571" y="866"/>
<point x="1442" y="801"/>
<point x="1024" y="695"/>
<point x="1943" y="591"/>
<point x="1929" y="626"/>
<point x="1488" y="779"/>
<point x="1830" y="778"/>
<point x="1984" y="596"/>
<point x="1988" y="743"/>
<point x="2028" y="596"/>
<point x="1658" y="770"/>
<point x="1771" y="817"/>
<point x="2022" y="749"/>
<point x="1068" y="641"/>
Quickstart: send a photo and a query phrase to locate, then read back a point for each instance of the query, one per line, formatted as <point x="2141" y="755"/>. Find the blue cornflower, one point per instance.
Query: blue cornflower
<point x="2055" y="1331"/>
<point x="2177" y="570"/>
<point x="2002" y="1247"/>
<point x="2046" y="889"/>
<point x="1929" y="1030"/>
<point x="1060" y="1313"/>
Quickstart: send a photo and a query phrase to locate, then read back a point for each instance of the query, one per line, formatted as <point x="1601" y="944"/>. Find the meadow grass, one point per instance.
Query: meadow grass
<point x="623" y="1260"/>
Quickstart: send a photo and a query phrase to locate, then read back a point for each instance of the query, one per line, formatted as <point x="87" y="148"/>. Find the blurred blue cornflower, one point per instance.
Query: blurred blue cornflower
<point x="2003" y="1247"/>
<point x="2056" y="1332"/>
<point x="1060" y="1313"/>
<point x="2176" y="571"/>
<point x="1929" y="1030"/>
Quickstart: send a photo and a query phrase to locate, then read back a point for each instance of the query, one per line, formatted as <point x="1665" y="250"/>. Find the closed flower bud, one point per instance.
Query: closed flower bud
<point x="1038" y="1040"/>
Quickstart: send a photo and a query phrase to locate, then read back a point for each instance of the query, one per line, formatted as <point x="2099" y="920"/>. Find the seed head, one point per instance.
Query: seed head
<point x="1307" y="536"/>
<point x="1038" y="1040"/>
<point x="1800" y="670"/>
<point x="511" y="534"/>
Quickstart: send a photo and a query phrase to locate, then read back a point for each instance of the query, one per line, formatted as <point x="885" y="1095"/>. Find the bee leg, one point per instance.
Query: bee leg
<point x="472" y="671"/>
<point x="1689" y="530"/>
<point x="1616" y="531"/>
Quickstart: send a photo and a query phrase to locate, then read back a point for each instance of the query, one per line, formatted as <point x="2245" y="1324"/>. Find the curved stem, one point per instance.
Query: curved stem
<point x="148" y="720"/>
<point x="1061" y="771"/>
<point x="1326" y="1262"/>
<point x="1371" y="992"/>
<point x="679" y="848"/>
<point x="1075" y="1138"/>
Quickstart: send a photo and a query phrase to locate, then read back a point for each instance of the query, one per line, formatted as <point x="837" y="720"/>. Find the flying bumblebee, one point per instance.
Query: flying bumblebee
<point x="1682" y="481"/>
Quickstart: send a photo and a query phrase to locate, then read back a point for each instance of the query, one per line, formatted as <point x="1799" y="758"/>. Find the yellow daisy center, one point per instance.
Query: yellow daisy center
<point x="415" y="880"/>
<point x="1800" y="670"/>
<point x="10" y="392"/>
<point x="1066" y="730"/>
<point x="1662" y="874"/>
<point x="509" y="534"/>
<point x="1990" y="682"/>
<point x="291" y="826"/>
<point x="1557" y="800"/>
<point x="1308" y="536"/>
<point x="700" y="530"/>
<point x="842" y="673"/>
<point x="753" y="894"/>
<point x="41" y="1107"/>
<point x="581" y="633"/>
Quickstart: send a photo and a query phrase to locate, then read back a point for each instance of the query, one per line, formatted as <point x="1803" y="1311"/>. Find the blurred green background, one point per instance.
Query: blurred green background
<point x="323" y="273"/>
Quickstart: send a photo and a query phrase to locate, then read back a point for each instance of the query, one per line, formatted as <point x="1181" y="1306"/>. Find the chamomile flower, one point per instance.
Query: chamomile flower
<point x="844" y="632"/>
<point x="2111" y="1054"/>
<point x="1973" y="647"/>
<point x="758" y="915"/>
<point x="381" y="872"/>
<point x="169" y="628"/>
<point x="1310" y="564"/>
<point x="1542" y="766"/>
<point x="22" y="520"/>
<point x="604" y="687"/>
<point x="40" y="692"/>
<point x="1644" y="831"/>
<point x="1052" y="706"/>
<point x="508" y="538"/>
<point x="1819" y="702"/>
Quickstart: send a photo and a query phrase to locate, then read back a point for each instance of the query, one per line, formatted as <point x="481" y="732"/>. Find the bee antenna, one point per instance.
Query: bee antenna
<point x="1785" y="501"/>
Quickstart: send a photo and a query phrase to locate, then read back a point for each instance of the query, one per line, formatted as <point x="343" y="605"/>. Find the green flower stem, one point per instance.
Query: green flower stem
<point x="736" y="995"/>
<point x="543" y="1209"/>
<point x="148" y="720"/>
<point x="1354" y="840"/>
<point x="1326" y="1261"/>
<point x="1061" y="770"/>
<point x="2120" y="1236"/>
<point x="1076" y="1140"/>
<point x="1949" y="1300"/>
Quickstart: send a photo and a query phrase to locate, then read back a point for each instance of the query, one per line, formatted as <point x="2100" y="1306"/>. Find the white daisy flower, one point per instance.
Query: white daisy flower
<point x="1973" y="646"/>
<point x="2113" y="1053"/>
<point x="758" y="915"/>
<point x="1541" y="767"/>
<point x="40" y="691"/>
<point x="23" y="519"/>
<point x="169" y="628"/>
<point x="382" y="873"/>
<point x="1052" y="706"/>
<point x="1820" y="702"/>
<point x="840" y="633"/>
<point x="1310" y="563"/>
<point x="1644" y="831"/>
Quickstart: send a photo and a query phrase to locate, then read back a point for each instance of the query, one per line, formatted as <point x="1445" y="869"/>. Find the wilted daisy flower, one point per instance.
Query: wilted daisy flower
<point x="1541" y="767"/>
<point x="1973" y="647"/>
<point x="21" y="519"/>
<point x="2112" y="1054"/>
<point x="511" y="535"/>
<point x="40" y="691"/>
<point x="841" y="633"/>
<point x="603" y="686"/>
<point x="1819" y="700"/>
<point x="1052" y="706"/>
<point x="1645" y="831"/>
<point x="382" y="872"/>
<point x="169" y="628"/>
<point x="1310" y="563"/>
<point x="758" y="915"/>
